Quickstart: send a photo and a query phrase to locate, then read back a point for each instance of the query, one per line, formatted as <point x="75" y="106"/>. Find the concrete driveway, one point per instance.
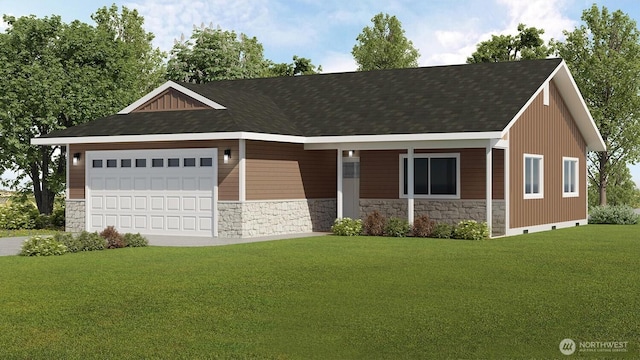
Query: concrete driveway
<point x="11" y="246"/>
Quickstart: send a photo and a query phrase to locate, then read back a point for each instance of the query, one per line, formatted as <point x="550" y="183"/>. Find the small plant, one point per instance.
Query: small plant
<point x="88" y="241"/>
<point x="67" y="240"/>
<point x="397" y="227"/>
<point x="613" y="214"/>
<point x="471" y="230"/>
<point x="347" y="227"/>
<point x="374" y="224"/>
<point x="423" y="226"/>
<point x="114" y="239"/>
<point x="442" y="231"/>
<point x="42" y="246"/>
<point x="135" y="240"/>
<point x="18" y="214"/>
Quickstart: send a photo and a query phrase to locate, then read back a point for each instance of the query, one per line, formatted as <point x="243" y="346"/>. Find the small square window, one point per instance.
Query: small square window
<point x="206" y="161"/>
<point x="173" y="162"/>
<point x="111" y="163"/>
<point x="141" y="162"/>
<point x="97" y="163"/>
<point x="157" y="162"/>
<point x="126" y="163"/>
<point x="189" y="162"/>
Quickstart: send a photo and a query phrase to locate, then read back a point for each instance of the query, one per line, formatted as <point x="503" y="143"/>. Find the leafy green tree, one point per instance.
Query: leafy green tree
<point x="55" y="75"/>
<point x="299" y="66"/>
<point x="622" y="190"/>
<point x="603" y="55"/>
<point x="527" y="44"/>
<point x="384" y="46"/>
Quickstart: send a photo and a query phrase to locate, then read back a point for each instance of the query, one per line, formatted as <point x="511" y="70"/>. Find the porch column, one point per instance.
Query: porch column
<point x="410" y="178"/>
<point x="489" y="186"/>
<point x="242" y="170"/>
<point x="339" y="195"/>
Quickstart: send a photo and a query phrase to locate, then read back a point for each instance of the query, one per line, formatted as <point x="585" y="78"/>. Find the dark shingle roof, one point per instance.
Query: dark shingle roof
<point x="441" y="99"/>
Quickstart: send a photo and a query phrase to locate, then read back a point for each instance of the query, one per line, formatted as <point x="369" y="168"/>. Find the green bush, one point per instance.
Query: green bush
<point x="374" y="224"/>
<point x="42" y="246"/>
<point x="423" y="226"/>
<point x="347" y="227"/>
<point x="442" y="231"/>
<point x="613" y="214"/>
<point x="135" y="240"/>
<point x="397" y="227"/>
<point x="84" y="241"/>
<point x="114" y="239"/>
<point x="17" y="214"/>
<point x="471" y="230"/>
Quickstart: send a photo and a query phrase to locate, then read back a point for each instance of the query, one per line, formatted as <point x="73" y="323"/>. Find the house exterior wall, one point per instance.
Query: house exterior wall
<point x="276" y="171"/>
<point x="552" y="132"/>
<point x="171" y="99"/>
<point x="227" y="173"/>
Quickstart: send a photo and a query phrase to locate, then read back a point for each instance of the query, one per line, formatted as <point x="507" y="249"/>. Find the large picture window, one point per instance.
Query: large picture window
<point x="533" y="176"/>
<point x="434" y="176"/>
<point x="569" y="177"/>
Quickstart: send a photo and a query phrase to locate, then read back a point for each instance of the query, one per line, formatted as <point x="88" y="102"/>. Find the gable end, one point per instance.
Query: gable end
<point x="169" y="100"/>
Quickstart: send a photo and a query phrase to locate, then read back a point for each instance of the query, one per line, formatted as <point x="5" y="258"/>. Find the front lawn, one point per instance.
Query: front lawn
<point x="329" y="298"/>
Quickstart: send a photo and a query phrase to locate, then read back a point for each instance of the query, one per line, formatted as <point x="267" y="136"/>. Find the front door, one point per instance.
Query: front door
<point x="351" y="187"/>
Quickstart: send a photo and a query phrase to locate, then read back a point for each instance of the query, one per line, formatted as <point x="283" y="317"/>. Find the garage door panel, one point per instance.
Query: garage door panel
<point x="172" y="199"/>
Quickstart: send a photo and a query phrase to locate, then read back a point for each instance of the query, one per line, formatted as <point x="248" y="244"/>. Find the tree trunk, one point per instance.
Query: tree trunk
<point x="43" y="195"/>
<point x="602" y="186"/>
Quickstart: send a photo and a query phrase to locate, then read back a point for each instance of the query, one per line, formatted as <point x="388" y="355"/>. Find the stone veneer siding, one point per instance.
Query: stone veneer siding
<point x="274" y="217"/>
<point x="448" y="211"/>
<point x="74" y="216"/>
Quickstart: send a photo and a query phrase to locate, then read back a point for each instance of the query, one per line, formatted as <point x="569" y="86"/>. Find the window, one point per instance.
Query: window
<point x="141" y="162"/>
<point x="157" y="162"/>
<point x="125" y="163"/>
<point x="206" y="162"/>
<point x="569" y="177"/>
<point x="111" y="163"/>
<point x="533" y="176"/>
<point x="173" y="162"/>
<point x="434" y="176"/>
<point x="189" y="162"/>
<point x="97" y="163"/>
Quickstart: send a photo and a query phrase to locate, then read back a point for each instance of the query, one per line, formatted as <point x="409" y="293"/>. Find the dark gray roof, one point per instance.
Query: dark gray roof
<point x="441" y="99"/>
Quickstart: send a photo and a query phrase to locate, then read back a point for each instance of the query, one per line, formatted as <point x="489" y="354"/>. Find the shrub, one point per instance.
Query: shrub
<point x="397" y="227"/>
<point x="18" y="214"/>
<point x="613" y="214"/>
<point x="84" y="241"/>
<point x="114" y="239"/>
<point x="442" y="231"/>
<point x="42" y="246"/>
<point x="67" y="240"/>
<point x="471" y="230"/>
<point x="135" y="240"/>
<point x="347" y="227"/>
<point x="374" y="224"/>
<point x="423" y="226"/>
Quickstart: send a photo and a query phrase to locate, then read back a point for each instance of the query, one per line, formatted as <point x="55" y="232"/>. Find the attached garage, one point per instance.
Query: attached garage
<point x="164" y="192"/>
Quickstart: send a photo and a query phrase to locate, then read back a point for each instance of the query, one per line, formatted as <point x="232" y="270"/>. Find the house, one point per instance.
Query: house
<point x="246" y="158"/>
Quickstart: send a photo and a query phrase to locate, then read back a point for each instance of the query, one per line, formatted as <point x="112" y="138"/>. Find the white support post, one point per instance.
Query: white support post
<point x="242" y="170"/>
<point x="339" y="195"/>
<point x="489" y="185"/>
<point x="410" y="179"/>
<point x="507" y="194"/>
<point x="69" y="164"/>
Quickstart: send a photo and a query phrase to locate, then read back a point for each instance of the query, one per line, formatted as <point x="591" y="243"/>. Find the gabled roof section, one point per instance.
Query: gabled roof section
<point x="166" y="88"/>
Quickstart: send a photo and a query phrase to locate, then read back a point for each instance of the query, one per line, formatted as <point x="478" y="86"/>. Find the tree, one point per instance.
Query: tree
<point x="621" y="190"/>
<point x="604" y="57"/>
<point x="215" y="54"/>
<point x="56" y="75"/>
<point x="527" y="44"/>
<point x="384" y="46"/>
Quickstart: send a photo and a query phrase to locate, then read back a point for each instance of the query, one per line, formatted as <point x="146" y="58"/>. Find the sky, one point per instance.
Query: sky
<point x="444" y="31"/>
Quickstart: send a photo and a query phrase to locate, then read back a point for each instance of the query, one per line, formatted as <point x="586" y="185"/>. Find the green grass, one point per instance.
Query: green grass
<point x="329" y="298"/>
<point x="15" y="233"/>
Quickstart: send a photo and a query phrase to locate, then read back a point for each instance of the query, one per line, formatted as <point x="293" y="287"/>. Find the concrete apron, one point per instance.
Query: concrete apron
<point x="11" y="246"/>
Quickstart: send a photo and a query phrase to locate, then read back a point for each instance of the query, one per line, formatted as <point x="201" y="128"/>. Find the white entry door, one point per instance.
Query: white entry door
<point x="351" y="187"/>
<point x="166" y="192"/>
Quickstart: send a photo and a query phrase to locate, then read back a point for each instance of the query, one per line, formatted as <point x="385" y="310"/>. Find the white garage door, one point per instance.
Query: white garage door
<point x="166" y="192"/>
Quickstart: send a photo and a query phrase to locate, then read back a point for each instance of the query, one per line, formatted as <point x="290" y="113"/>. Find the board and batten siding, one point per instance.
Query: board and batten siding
<point x="281" y="171"/>
<point x="552" y="132"/>
<point x="379" y="173"/>
<point x="227" y="173"/>
<point x="171" y="99"/>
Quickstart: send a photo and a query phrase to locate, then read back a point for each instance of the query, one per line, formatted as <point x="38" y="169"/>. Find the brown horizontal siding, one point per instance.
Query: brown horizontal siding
<point x="287" y="171"/>
<point x="171" y="99"/>
<point x="227" y="173"/>
<point x="380" y="177"/>
<point x="549" y="131"/>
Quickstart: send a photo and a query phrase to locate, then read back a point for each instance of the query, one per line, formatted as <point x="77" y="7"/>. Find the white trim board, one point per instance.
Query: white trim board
<point x="546" y="227"/>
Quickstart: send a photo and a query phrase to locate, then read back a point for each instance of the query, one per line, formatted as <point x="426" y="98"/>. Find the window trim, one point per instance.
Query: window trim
<point x="540" y="194"/>
<point x="429" y="156"/>
<point x="576" y="169"/>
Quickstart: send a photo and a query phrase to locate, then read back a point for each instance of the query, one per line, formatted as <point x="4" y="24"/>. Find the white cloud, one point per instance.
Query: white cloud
<point x="542" y="14"/>
<point x="334" y="62"/>
<point x="3" y="25"/>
